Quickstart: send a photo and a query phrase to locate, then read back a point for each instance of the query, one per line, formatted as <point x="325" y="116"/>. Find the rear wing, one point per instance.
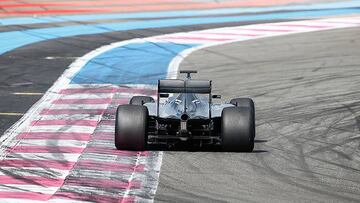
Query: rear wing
<point x="184" y="86"/>
<point x="187" y="86"/>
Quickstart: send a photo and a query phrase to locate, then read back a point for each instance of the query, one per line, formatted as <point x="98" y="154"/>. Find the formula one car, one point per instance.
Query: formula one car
<point x="184" y="112"/>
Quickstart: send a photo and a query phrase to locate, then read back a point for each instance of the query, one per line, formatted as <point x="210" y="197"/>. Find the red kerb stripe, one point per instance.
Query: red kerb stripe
<point x="50" y="11"/>
<point x="72" y="111"/>
<point x="31" y="180"/>
<point x="103" y="3"/>
<point x="108" y="166"/>
<point x="120" y="101"/>
<point x="114" y="151"/>
<point x="107" y="90"/>
<point x="47" y="164"/>
<point x="47" y="149"/>
<point x="55" y="136"/>
<point x="31" y="5"/>
<point x="91" y="123"/>
<point x="92" y="197"/>
<point x="102" y="183"/>
<point x="25" y="195"/>
<point x="83" y="101"/>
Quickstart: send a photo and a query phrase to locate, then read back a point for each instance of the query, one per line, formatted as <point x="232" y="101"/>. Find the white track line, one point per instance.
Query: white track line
<point x="73" y="157"/>
<point x="27" y="188"/>
<point x="80" y="106"/>
<point x="59" y="128"/>
<point x="53" y="173"/>
<point x="53" y="143"/>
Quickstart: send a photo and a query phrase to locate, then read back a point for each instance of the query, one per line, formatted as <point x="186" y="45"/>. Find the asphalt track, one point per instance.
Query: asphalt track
<point x="34" y="68"/>
<point x="306" y="90"/>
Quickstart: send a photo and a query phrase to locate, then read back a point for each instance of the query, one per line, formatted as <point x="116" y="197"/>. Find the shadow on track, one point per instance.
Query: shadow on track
<point x="190" y="147"/>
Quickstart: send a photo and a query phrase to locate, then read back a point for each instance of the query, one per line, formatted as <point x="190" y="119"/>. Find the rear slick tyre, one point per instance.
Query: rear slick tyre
<point x="243" y="102"/>
<point x="131" y="125"/>
<point x="237" y="129"/>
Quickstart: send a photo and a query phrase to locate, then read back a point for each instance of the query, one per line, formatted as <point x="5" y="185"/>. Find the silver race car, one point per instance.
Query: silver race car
<point x="184" y="112"/>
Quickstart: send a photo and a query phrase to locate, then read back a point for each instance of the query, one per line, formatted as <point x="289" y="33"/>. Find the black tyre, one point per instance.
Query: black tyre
<point x="243" y="102"/>
<point x="140" y="100"/>
<point x="131" y="125"/>
<point x="237" y="129"/>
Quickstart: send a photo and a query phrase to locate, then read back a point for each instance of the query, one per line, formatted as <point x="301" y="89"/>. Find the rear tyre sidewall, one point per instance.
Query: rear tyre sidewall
<point x="237" y="129"/>
<point x="245" y="102"/>
<point x="131" y="125"/>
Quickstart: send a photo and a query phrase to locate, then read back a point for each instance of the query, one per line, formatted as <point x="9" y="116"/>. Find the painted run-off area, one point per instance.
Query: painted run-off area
<point x="51" y="7"/>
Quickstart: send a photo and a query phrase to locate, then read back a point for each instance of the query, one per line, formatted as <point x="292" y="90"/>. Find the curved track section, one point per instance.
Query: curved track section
<point x="307" y="147"/>
<point x="62" y="149"/>
<point x="57" y="152"/>
<point x="28" y="72"/>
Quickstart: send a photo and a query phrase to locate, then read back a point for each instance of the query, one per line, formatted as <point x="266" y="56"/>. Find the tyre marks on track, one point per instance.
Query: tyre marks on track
<point x="301" y="85"/>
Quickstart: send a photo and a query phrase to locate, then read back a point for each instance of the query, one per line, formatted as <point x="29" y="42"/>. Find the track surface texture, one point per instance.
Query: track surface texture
<point x="306" y="90"/>
<point x="305" y="87"/>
